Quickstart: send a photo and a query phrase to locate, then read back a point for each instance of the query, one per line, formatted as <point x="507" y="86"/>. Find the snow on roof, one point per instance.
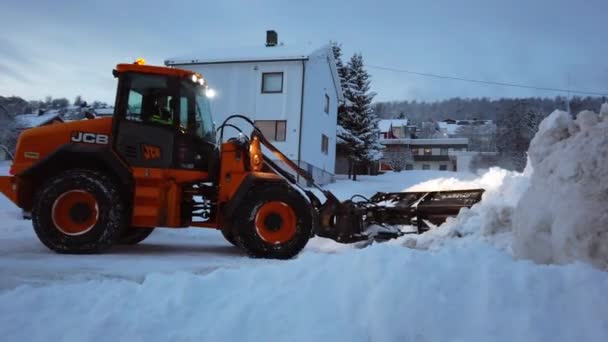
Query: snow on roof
<point x="439" y="141"/>
<point x="385" y="125"/>
<point x="35" y="120"/>
<point x="245" y="54"/>
<point x="448" y="128"/>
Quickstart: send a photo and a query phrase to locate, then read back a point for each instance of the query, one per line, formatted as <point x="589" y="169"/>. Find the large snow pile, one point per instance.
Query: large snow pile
<point x="563" y="216"/>
<point x="554" y="212"/>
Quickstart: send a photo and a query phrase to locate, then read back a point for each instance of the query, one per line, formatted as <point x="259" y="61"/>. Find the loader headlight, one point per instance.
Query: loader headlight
<point x="196" y="78"/>
<point x="210" y="93"/>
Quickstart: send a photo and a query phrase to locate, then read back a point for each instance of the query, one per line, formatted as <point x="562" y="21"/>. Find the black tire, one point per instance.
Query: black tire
<point x="226" y="232"/>
<point x="108" y="218"/>
<point x="248" y="236"/>
<point x="134" y="235"/>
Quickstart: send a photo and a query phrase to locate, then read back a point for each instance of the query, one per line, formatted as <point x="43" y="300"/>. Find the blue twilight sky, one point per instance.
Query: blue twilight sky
<point x="64" y="48"/>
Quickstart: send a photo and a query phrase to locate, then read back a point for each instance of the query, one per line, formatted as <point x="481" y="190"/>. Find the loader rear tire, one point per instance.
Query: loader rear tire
<point x="79" y="211"/>
<point x="274" y="221"/>
<point x="134" y="235"/>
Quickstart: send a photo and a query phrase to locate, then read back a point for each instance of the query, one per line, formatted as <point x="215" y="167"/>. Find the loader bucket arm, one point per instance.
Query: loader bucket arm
<point x="349" y="221"/>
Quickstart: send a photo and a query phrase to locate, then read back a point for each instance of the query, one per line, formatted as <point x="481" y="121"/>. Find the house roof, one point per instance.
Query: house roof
<point x="244" y="54"/>
<point x="385" y="125"/>
<point x="261" y="54"/>
<point x="35" y="120"/>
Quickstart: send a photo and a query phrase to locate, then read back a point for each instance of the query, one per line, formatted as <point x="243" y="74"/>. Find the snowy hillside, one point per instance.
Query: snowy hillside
<point x="472" y="279"/>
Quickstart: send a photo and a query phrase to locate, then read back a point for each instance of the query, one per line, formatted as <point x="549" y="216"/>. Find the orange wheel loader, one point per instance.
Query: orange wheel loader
<point x="157" y="162"/>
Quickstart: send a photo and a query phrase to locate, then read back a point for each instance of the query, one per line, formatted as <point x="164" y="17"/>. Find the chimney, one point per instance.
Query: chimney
<point x="271" y="38"/>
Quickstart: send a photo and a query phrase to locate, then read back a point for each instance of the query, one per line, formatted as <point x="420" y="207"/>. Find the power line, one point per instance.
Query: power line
<point x="504" y="84"/>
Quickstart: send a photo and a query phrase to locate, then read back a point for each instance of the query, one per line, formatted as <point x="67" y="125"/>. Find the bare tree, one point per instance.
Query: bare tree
<point x="398" y="159"/>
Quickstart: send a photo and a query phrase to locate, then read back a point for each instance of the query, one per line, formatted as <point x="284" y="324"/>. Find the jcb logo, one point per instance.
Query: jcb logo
<point x="151" y="152"/>
<point x="90" y="138"/>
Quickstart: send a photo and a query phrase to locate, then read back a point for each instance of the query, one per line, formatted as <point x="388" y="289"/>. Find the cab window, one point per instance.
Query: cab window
<point x="151" y="99"/>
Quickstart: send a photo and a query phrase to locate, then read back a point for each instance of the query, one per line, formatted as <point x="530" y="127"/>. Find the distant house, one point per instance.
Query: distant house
<point x="292" y="93"/>
<point x="481" y="133"/>
<point x="409" y="153"/>
<point x="396" y="128"/>
<point x="25" y="121"/>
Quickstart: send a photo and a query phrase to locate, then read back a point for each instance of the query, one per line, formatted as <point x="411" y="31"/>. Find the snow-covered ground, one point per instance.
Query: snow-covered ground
<point x="468" y="280"/>
<point x="24" y="260"/>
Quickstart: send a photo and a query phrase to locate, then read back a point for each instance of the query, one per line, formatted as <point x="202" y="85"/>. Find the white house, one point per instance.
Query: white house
<point x="292" y="93"/>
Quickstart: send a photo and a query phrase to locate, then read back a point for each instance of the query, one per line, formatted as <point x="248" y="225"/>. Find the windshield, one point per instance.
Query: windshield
<point x="196" y="111"/>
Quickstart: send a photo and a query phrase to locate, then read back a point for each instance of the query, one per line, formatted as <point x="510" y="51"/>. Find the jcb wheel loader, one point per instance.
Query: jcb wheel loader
<point x="157" y="163"/>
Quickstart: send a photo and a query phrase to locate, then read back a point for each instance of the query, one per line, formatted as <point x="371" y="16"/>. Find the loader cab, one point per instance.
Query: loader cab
<point x="163" y="118"/>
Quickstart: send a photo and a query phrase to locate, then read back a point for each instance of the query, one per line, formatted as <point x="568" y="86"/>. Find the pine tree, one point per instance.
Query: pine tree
<point x="347" y="142"/>
<point x="359" y="118"/>
<point x="341" y="68"/>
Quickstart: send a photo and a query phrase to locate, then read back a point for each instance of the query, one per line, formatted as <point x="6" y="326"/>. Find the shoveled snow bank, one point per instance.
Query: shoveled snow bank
<point x="563" y="216"/>
<point x="381" y="293"/>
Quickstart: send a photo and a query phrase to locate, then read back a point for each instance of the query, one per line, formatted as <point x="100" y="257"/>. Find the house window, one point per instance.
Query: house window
<point x="415" y="151"/>
<point x="428" y="151"/>
<point x="444" y="151"/>
<point x="426" y="166"/>
<point x="443" y="167"/>
<point x="326" y="109"/>
<point x="272" y="82"/>
<point x="409" y="166"/>
<point x="324" y="144"/>
<point x="273" y="130"/>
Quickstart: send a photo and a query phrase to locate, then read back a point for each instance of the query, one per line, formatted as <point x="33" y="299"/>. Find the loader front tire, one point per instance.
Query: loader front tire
<point x="274" y="221"/>
<point x="79" y="211"/>
<point x="227" y="233"/>
<point x="134" y="235"/>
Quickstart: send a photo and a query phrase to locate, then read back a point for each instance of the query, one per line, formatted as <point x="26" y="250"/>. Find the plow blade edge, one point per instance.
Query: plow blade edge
<point x="350" y="221"/>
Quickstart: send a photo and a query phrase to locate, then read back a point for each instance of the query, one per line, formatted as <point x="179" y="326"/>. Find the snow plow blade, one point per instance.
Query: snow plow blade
<point x="384" y="215"/>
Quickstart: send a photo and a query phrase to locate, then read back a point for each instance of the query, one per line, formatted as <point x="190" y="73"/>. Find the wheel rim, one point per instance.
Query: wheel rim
<point x="275" y="222"/>
<point x="75" y="212"/>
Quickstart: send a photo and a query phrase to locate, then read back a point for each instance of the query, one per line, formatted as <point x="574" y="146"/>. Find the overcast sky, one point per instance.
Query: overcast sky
<point x="64" y="48"/>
